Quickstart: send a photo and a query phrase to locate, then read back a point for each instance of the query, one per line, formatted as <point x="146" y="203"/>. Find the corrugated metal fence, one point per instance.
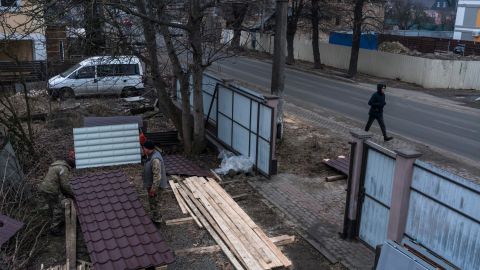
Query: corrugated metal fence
<point x="242" y="119"/>
<point x="443" y="209"/>
<point x="377" y="188"/>
<point x="444" y="215"/>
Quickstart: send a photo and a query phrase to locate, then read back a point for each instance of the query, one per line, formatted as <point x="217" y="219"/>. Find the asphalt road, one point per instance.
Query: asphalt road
<point x="452" y="130"/>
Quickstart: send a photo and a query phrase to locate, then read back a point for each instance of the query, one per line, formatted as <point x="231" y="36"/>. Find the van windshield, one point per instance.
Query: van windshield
<point x="70" y="70"/>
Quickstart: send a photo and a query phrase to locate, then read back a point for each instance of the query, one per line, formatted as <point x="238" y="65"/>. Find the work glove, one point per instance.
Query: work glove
<point x="152" y="191"/>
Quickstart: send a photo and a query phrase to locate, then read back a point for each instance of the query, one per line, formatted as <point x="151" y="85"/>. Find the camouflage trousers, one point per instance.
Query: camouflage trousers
<point x="51" y="207"/>
<point x="153" y="205"/>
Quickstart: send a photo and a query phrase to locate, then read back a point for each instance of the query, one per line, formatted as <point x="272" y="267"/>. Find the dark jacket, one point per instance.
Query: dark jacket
<point x="376" y="102"/>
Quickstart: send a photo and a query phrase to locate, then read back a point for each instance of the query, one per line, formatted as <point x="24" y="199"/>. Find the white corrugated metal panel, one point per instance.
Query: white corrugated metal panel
<point x="378" y="193"/>
<point x="444" y="215"/>
<point x="106" y="145"/>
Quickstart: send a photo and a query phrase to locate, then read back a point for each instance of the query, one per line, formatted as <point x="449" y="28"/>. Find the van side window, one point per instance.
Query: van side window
<point x="86" y="73"/>
<point x="127" y="69"/>
<point x="106" y="70"/>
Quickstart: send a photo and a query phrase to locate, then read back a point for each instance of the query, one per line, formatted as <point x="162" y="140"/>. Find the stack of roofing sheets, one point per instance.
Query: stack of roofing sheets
<point x="242" y="241"/>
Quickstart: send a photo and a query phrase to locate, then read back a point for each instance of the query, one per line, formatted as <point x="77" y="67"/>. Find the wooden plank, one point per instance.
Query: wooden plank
<point x="249" y="260"/>
<point x="70" y="234"/>
<point x="285" y="261"/>
<point x="280" y="240"/>
<point x="177" y="186"/>
<point x="235" y="224"/>
<point x="252" y="242"/>
<point x="223" y="245"/>
<point x="335" y="178"/>
<point x="179" y="221"/>
<point x="177" y="196"/>
<point x="216" y="176"/>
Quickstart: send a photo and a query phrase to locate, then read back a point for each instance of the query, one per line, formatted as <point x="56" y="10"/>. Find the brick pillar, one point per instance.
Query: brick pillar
<point x="402" y="181"/>
<point x="358" y="148"/>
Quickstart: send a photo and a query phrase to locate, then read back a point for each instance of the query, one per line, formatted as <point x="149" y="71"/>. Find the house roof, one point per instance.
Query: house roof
<point x="117" y="231"/>
<point x="8" y="228"/>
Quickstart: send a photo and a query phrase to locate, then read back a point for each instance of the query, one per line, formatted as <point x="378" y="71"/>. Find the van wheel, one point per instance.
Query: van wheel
<point x="66" y="93"/>
<point x="128" y="91"/>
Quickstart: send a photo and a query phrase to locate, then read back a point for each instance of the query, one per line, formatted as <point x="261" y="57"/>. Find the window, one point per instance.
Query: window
<point x="438" y="4"/>
<point x="127" y="69"/>
<point x="6" y="4"/>
<point x="106" y="70"/>
<point x="86" y="73"/>
<point x="70" y="70"/>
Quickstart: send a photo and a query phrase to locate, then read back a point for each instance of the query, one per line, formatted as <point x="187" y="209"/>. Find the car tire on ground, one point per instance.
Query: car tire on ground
<point x="66" y="93"/>
<point x="128" y="91"/>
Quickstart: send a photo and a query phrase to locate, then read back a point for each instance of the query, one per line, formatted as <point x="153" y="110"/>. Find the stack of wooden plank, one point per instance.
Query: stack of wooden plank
<point x="242" y="241"/>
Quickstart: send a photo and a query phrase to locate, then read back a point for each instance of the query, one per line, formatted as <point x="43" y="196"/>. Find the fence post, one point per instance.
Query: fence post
<point x="402" y="181"/>
<point x="359" y="137"/>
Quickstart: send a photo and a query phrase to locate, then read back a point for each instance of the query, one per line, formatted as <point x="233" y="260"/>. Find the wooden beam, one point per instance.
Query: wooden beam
<point x="250" y="261"/>
<point x="251" y="241"/>
<point x="179" y="221"/>
<point x="185" y="193"/>
<point x="216" y="176"/>
<point x="177" y="186"/>
<point x="70" y="234"/>
<point x="285" y="261"/>
<point x="335" y="178"/>
<point x="281" y="240"/>
<point x="181" y="203"/>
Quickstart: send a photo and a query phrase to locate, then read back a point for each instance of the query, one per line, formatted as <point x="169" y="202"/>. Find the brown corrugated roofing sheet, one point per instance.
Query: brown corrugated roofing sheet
<point x="8" y="228"/>
<point x="341" y="164"/>
<point x="179" y="165"/>
<point x="117" y="231"/>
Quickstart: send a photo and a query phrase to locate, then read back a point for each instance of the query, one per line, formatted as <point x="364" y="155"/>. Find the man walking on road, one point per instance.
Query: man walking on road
<point x="377" y="102"/>
<point x="154" y="176"/>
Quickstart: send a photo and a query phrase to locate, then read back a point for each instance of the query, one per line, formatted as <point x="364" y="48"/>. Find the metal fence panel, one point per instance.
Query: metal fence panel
<point x="265" y="122"/>
<point x="263" y="159"/>
<point x="377" y="184"/>
<point x="254" y="116"/>
<point x="241" y="139"/>
<point x="379" y="176"/>
<point x="224" y="129"/>
<point x="241" y="107"/>
<point x="225" y="99"/>
<point x="106" y="145"/>
<point x="444" y="215"/>
<point x="374" y="222"/>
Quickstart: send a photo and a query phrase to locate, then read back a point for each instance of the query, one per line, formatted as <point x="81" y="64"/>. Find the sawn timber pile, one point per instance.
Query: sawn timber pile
<point x="242" y="241"/>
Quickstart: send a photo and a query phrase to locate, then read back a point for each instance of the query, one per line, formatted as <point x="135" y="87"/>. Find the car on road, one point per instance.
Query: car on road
<point x="99" y="75"/>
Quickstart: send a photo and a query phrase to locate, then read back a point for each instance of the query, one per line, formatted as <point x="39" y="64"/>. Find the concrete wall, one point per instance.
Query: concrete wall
<point x="429" y="73"/>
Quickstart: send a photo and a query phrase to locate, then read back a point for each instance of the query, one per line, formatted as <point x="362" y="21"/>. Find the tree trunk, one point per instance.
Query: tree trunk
<point x="195" y="39"/>
<point x="158" y="82"/>
<point x="290" y="38"/>
<point x="357" y="31"/>
<point x="278" y="67"/>
<point x="94" y="38"/>
<point x="315" y="35"/>
<point x="183" y="78"/>
<point x="235" y="43"/>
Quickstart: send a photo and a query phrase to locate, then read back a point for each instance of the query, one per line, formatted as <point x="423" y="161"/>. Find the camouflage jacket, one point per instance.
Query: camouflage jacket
<point x="57" y="179"/>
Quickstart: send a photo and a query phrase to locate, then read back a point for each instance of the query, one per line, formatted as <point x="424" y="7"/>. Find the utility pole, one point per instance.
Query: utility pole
<point x="278" y="68"/>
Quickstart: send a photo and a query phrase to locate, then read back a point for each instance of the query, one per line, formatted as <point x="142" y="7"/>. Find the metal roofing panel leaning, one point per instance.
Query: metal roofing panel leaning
<point x="106" y="145"/>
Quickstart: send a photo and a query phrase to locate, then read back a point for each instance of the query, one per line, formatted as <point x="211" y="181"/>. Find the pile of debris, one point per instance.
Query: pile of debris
<point x="393" y="47"/>
<point x="243" y="242"/>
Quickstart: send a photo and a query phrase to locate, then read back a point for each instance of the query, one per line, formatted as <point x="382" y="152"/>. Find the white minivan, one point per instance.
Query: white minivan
<point x="99" y="75"/>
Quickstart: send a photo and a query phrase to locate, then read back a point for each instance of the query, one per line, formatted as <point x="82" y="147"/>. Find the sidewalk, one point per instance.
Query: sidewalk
<point x="317" y="208"/>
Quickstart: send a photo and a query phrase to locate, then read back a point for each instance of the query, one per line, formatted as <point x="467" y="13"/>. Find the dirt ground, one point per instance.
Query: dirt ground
<point x="54" y="137"/>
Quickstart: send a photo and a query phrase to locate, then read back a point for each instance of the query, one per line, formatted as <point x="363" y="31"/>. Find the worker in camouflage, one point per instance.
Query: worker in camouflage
<point x="154" y="177"/>
<point x="55" y="187"/>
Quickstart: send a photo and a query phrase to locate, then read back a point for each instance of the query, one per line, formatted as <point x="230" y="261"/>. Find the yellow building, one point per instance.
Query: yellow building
<point x="22" y="31"/>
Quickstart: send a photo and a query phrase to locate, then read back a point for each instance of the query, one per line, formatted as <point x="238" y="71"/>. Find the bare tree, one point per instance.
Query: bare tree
<point x="363" y="18"/>
<point x="296" y="11"/>
<point x="407" y="14"/>
<point x="315" y="20"/>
